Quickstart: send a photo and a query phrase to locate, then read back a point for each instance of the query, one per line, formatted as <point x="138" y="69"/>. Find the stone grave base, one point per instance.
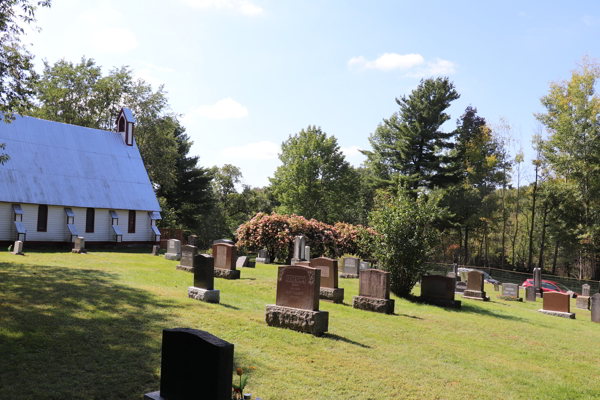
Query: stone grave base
<point x="79" y="251"/>
<point x="558" y="313"/>
<point x="475" y="295"/>
<point x="509" y="298"/>
<point x="209" y="296"/>
<point x="372" y="304"/>
<point x="184" y="268"/>
<point x="441" y="302"/>
<point x="250" y="264"/>
<point x="153" y="396"/>
<point x="227" y="273"/>
<point x="172" y="256"/>
<point x="297" y="319"/>
<point x="263" y="260"/>
<point x="349" y="276"/>
<point x="336" y="295"/>
<point x="582" y="302"/>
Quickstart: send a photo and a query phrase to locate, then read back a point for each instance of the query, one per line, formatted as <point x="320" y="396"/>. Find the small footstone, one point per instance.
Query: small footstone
<point x="184" y="268"/>
<point x="298" y="319"/>
<point x="582" y="302"/>
<point x="209" y="296"/>
<point x="227" y="273"/>
<point x="335" y="295"/>
<point x="385" y="306"/>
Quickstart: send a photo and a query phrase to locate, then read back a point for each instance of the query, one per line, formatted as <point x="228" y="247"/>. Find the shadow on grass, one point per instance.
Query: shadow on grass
<point x="339" y="338"/>
<point x="407" y="316"/>
<point x="229" y="306"/>
<point x="487" y="312"/>
<point x="248" y="279"/>
<point x="67" y="333"/>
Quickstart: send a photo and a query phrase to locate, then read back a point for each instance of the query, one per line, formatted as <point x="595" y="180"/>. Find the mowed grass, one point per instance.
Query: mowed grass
<point x="89" y="327"/>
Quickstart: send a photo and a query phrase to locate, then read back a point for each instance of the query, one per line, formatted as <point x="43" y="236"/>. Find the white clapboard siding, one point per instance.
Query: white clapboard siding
<point x="7" y="230"/>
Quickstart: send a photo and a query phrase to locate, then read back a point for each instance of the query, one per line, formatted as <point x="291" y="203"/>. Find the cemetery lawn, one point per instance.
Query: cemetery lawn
<point x="89" y="327"/>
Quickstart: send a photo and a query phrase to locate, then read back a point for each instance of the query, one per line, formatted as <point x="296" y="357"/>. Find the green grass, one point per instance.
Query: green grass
<point x="89" y="327"/>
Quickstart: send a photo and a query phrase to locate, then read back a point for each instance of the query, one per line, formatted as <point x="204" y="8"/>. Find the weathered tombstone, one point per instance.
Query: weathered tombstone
<point x="204" y="286"/>
<point x="79" y="246"/>
<point x="297" y="301"/>
<point x="455" y="269"/>
<point x="510" y="291"/>
<point x="188" y="254"/>
<point x="173" y="250"/>
<point x="530" y="293"/>
<point x="225" y="256"/>
<point x="475" y="282"/>
<point x="596" y="308"/>
<point x="193" y="240"/>
<point x="439" y="290"/>
<point x="329" y="289"/>
<point x="364" y="265"/>
<point x="299" y="248"/>
<point x="496" y="287"/>
<point x="583" y="301"/>
<point x="263" y="257"/>
<point x="155" y="250"/>
<point x="18" y="249"/>
<point x="374" y="292"/>
<point x="226" y="241"/>
<point x="557" y="304"/>
<point x="464" y="275"/>
<point x="194" y="364"/>
<point x="537" y="278"/>
<point x="451" y="275"/>
<point x="351" y="267"/>
<point x="242" y="262"/>
<point x="307" y="253"/>
<point x="461" y="286"/>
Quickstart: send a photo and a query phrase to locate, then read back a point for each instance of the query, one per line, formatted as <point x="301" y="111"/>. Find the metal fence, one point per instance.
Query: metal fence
<point x="506" y="276"/>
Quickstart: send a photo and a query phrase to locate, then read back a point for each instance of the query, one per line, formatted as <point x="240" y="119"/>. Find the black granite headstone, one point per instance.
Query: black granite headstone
<point x="195" y="365"/>
<point x="204" y="272"/>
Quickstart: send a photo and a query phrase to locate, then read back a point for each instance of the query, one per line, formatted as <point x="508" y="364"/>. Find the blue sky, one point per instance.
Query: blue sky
<point x="246" y="74"/>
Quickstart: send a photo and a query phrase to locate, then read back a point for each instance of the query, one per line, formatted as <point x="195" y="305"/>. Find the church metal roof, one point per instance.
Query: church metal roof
<point x="66" y="165"/>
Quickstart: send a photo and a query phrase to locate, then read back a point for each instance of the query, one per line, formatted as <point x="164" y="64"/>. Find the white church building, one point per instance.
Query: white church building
<point x="64" y="181"/>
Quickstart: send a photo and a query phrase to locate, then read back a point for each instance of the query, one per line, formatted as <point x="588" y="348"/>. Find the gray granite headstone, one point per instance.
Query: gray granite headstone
<point x="461" y="286"/>
<point x="187" y="255"/>
<point x="263" y="257"/>
<point x="242" y="261"/>
<point x="585" y="290"/>
<point x="510" y="290"/>
<point x="451" y="275"/>
<point x="351" y="265"/>
<point x="596" y="308"/>
<point x="530" y="293"/>
<point x="299" y="243"/>
<point x="307" y="253"/>
<point x="364" y="265"/>
<point x="537" y="278"/>
<point x="173" y="250"/>
<point x="193" y="240"/>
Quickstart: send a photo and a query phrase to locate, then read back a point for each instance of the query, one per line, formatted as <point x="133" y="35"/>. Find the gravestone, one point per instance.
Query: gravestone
<point x="226" y="241"/>
<point x="79" y="246"/>
<point x="351" y="267"/>
<point x="297" y="301"/>
<point x="242" y="262"/>
<point x="329" y="289"/>
<point x="18" y="248"/>
<point x="455" y="269"/>
<point x="537" y="281"/>
<point x="464" y="275"/>
<point x="475" y="289"/>
<point x="307" y="253"/>
<point x="364" y="265"/>
<point x="263" y="257"/>
<point x="510" y="291"/>
<point x="374" y="292"/>
<point x="299" y="248"/>
<point x="188" y="256"/>
<point x="451" y="275"/>
<point x="596" y="308"/>
<point x="557" y="304"/>
<point x="194" y="364"/>
<point x="530" y="293"/>
<point x="204" y="283"/>
<point x="496" y="287"/>
<point x="155" y="250"/>
<point x="439" y="290"/>
<point x="173" y="250"/>
<point x="461" y="286"/>
<point x="225" y="256"/>
<point x="193" y="240"/>
<point x="303" y="263"/>
<point x="583" y="301"/>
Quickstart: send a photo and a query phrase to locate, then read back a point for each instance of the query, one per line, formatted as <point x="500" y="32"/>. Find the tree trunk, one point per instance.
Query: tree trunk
<point x="466" y="261"/>
<point x="503" y="217"/>
<point x="541" y="260"/>
<point x="555" y="257"/>
<point x="533" y="195"/>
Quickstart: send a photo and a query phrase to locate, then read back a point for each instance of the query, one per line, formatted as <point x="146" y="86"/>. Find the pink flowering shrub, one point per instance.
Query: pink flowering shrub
<point x="276" y="233"/>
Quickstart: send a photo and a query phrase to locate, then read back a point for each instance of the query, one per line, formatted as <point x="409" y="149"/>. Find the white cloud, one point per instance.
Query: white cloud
<point x="242" y="6"/>
<point x="114" y="40"/>
<point x="388" y="61"/>
<point x="263" y="150"/>
<point x="351" y="151"/>
<point x="146" y="75"/>
<point x="222" y="109"/>
<point x="434" y="68"/>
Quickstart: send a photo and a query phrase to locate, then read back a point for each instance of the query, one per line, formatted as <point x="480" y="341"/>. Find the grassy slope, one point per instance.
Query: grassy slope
<point x="89" y="326"/>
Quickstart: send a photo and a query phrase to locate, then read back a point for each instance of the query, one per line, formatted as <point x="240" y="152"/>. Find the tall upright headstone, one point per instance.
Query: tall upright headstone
<point x="299" y="244"/>
<point x="225" y="256"/>
<point x="475" y="286"/>
<point x="351" y="267"/>
<point x="596" y="308"/>
<point x="188" y="254"/>
<point x="263" y="257"/>
<point x="583" y="301"/>
<point x="173" y="250"/>
<point x="374" y="292"/>
<point x="557" y="304"/>
<point x="194" y="365"/>
<point x="439" y="290"/>
<point x="297" y="301"/>
<point x="204" y="286"/>
<point x="329" y="289"/>
<point x="79" y="246"/>
<point x="307" y="253"/>
<point x="537" y="282"/>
